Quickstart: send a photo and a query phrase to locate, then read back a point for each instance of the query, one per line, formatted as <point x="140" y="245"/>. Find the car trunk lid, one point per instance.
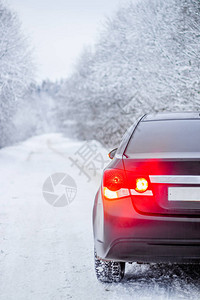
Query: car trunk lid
<point x="175" y="186"/>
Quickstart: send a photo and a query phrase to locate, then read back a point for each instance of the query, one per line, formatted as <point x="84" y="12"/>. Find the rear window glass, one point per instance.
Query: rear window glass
<point x="165" y="136"/>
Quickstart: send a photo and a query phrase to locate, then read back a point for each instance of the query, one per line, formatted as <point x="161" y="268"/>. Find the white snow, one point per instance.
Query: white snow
<point x="47" y="252"/>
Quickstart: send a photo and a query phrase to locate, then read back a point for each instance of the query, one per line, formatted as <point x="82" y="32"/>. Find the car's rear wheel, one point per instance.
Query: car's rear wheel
<point x="108" y="271"/>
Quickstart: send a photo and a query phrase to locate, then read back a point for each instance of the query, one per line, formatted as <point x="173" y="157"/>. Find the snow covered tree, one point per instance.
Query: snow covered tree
<point x="145" y="50"/>
<point x="15" y="70"/>
<point x="147" y="59"/>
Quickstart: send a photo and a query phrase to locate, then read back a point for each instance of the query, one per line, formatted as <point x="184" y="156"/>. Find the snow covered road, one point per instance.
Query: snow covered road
<point x="46" y="252"/>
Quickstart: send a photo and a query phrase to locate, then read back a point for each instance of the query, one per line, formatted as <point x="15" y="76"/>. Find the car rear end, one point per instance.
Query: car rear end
<point x="148" y="206"/>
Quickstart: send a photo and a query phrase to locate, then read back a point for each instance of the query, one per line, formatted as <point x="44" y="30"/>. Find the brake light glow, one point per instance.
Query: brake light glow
<point x="115" y="194"/>
<point x="115" y="184"/>
<point x="119" y="184"/>
<point x="141" y="185"/>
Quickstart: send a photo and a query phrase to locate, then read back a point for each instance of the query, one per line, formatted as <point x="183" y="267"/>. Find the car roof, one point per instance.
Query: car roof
<point x="171" y="116"/>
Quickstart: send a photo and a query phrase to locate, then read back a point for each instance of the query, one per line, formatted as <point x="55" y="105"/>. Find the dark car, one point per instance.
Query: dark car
<point x="147" y="209"/>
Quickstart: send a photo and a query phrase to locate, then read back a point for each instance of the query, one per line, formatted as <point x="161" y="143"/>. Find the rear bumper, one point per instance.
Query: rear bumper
<point x="122" y="234"/>
<point x="155" y="251"/>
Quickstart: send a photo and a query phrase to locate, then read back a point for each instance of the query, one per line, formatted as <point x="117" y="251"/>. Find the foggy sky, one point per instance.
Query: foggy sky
<point x="59" y="29"/>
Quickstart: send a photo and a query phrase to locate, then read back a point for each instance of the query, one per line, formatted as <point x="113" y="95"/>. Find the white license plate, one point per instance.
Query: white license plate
<point x="184" y="193"/>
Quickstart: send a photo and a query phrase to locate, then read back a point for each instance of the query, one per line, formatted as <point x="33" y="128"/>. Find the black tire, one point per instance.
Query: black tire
<point x="108" y="271"/>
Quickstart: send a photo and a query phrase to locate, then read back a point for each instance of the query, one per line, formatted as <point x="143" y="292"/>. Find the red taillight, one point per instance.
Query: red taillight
<point x="115" y="184"/>
<point x="118" y="184"/>
<point x="141" y="185"/>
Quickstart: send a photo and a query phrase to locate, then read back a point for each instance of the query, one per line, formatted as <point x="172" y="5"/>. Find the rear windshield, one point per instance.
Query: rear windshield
<point x="168" y="136"/>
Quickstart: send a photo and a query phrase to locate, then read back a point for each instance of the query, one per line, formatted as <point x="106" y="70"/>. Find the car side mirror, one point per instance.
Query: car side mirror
<point x="111" y="154"/>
